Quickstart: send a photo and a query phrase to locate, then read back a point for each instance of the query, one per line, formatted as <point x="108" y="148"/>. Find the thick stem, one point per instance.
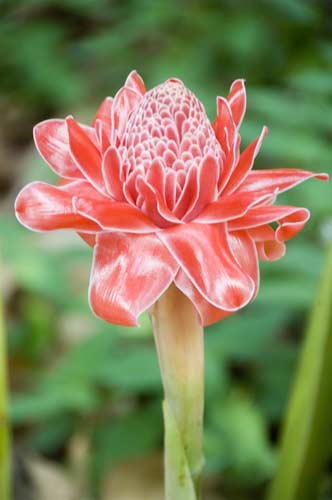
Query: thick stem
<point x="5" y="456"/>
<point x="180" y="345"/>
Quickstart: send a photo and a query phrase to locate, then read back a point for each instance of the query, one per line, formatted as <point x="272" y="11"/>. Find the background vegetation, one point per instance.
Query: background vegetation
<point x="86" y="395"/>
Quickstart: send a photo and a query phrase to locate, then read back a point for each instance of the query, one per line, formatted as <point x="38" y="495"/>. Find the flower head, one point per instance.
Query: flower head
<point x="164" y="196"/>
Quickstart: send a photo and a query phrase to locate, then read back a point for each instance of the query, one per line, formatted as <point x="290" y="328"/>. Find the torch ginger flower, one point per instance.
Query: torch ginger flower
<point x="164" y="196"/>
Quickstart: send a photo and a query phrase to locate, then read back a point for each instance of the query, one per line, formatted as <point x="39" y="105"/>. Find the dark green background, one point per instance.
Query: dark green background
<point x="73" y="374"/>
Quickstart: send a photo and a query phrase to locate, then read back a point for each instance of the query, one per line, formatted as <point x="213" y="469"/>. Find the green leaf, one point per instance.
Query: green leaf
<point x="305" y="446"/>
<point x="236" y="440"/>
<point x="122" y="438"/>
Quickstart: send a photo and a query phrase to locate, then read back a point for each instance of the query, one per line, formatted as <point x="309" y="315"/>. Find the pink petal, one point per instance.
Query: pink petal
<point x="125" y="101"/>
<point x="52" y="142"/>
<point x="114" y="216"/>
<point x="208" y="313"/>
<point x="268" y="181"/>
<point x="261" y="233"/>
<point x="268" y="248"/>
<point x="224" y="125"/>
<point x="204" y="254"/>
<point x="208" y="174"/>
<point x="244" y="250"/>
<point x="85" y="154"/>
<point x="83" y="189"/>
<point x="189" y="192"/>
<point x="103" y="140"/>
<point x="229" y="164"/>
<point x="245" y="163"/>
<point x="156" y="177"/>
<point x="291" y="220"/>
<point x="112" y="170"/>
<point x="154" y="205"/>
<point x="129" y="274"/>
<point x="230" y="207"/>
<point x="135" y="82"/>
<point x="237" y="101"/>
<point x="104" y="115"/>
<point x="170" y="189"/>
<point x="89" y="238"/>
<point x="91" y="133"/>
<point x="271" y="250"/>
<point x="42" y="207"/>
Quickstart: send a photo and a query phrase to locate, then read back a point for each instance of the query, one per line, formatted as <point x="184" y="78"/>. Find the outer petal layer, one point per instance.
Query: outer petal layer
<point x="245" y="163"/>
<point x="291" y="220"/>
<point x="237" y="101"/>
<point x="208" y="313"/>
<point x="230" y="207"/>
<point x="244" y="251"/>
<point x="135" y="82"/>
<point x="129" y="274"/>
<point x="42" y="207"/>
<point x="280" y="179"/>
<point x="114" y="216"/>
<point x="52" y="141"/>
<point x="204" y="254"/>
<point x="85" y="154"/>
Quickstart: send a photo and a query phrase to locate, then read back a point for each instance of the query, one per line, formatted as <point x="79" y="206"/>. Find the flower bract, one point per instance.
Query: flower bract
<point x="163" y="195"/>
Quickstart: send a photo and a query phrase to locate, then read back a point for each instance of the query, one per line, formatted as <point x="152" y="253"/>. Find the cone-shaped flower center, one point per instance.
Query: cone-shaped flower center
<point x="170" y="124"/>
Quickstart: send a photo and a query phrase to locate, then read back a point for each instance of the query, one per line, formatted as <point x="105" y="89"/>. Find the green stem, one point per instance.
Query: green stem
<point x="5" y="456"/>
<point x="180" y="345"/>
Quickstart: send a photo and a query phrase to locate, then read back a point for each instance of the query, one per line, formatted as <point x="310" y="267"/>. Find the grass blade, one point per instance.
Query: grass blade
<point x="306" y="437"/>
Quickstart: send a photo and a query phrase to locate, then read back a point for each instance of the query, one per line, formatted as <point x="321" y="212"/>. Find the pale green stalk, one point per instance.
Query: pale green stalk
<point x="180" y="346"/>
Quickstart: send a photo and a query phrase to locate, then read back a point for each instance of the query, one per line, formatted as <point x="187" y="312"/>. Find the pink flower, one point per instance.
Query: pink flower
<point x="164" y="196"/>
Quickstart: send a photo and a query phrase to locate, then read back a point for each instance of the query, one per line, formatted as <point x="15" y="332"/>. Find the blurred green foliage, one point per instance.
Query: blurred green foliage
<point x="72" y="373"/>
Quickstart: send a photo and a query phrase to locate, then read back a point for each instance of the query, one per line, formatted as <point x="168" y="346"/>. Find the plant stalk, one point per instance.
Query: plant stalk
<point x="180" y="345"/>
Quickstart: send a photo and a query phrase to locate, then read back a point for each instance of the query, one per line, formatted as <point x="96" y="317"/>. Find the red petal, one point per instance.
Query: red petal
<point x="125" y="101"/>
<point x="104" y="114"/>
<point x="52" y="142"/>
<point x="129" y="274"/>
<point x="229" y="164"/>
<point x="208" y="313"/>
<point x="230" y="207"/>
<point x="85" y="154"/>
<point x="170" y="189"/>
<point x="208" y="173"/>
<point x="42" y="207"/>
<point x="291" y="220"/>
<point x="237" y="101"/>
<point x="83" y="189"/>
<point x="224" y="125"/>
<point x="103" y="140"/>
<point x="268" y="181"/>
<point x="89" y="238"/>
<point x="189" y="192"/>
<point x="156" y="177"/>
<point x="135" y="82"/>
<point x="114" y="216"/>
<point x="244" y="251"/>
<point x="271" y="250"/>
<point x="112" y="170"/>
<point x="154" y="205"/>
<point x="245" y="163"/>
<point x="204" y="254"/>
<point x="261" y="233"/>
<point x="268" y="248"/>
